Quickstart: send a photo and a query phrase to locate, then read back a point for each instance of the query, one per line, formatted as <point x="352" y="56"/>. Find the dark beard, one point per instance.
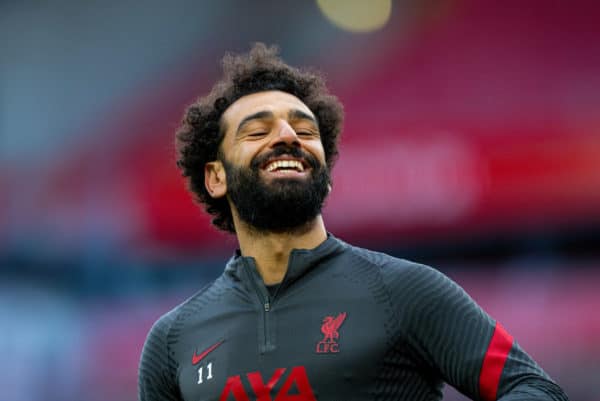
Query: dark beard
<point x="282" y="205"/>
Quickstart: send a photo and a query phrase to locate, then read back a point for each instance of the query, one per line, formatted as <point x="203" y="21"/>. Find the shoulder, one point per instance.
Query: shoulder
<point x="402" y="279"/>
<point x="387" y="264"/>
<point x="177" y="316"/>
<point x="402" y="276"/>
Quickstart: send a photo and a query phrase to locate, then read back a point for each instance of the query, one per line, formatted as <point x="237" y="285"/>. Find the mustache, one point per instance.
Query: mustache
<point x="294" y="152"/>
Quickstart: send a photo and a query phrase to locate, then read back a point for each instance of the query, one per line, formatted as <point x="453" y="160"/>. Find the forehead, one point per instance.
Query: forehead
<point x="277" y="102"/>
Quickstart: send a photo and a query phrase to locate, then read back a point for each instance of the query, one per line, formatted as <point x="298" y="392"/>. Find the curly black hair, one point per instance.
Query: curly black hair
<point x="200" y="134"/>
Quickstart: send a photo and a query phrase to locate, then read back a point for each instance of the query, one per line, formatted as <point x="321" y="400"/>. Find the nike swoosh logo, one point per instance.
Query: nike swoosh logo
<point x="197" y="358"/>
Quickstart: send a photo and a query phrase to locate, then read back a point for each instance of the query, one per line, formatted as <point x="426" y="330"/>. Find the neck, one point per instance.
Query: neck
<point x="271" y="251"/>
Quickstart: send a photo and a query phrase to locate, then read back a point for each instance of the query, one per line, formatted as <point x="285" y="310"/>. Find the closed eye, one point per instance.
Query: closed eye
<point x="256" y="134"/>
<point x="306" y="133"/>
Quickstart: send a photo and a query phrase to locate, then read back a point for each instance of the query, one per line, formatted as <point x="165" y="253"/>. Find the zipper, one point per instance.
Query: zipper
<point x="265" y="343"/>
<point x="268" y="345"/>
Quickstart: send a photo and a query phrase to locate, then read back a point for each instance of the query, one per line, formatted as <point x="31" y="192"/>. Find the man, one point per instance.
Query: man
<point x="298" y="314"/>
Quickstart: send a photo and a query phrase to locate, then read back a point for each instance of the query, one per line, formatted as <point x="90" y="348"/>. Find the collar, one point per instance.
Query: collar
<point x="301" y="261"/>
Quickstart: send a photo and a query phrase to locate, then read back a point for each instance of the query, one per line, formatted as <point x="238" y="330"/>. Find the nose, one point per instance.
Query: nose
<point x="285" y="134"/>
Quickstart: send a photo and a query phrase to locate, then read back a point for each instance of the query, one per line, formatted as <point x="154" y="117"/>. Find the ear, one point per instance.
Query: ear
<point x="215" y="179"/>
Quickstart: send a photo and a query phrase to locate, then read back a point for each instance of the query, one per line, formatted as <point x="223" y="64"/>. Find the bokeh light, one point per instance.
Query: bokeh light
<point x="357" y="15"/>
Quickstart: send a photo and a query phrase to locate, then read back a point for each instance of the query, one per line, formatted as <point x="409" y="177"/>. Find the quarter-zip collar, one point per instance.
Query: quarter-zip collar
<point x="301" y="261"/>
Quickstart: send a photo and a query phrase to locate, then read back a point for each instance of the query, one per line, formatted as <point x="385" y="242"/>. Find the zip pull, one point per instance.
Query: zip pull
<point x="267" y="306"/>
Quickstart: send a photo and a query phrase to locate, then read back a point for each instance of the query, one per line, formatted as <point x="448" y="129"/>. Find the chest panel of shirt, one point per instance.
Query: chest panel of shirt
<point x="213" y="343"/>
<point x="336" y="335"/>
<point x="333" y="358"/>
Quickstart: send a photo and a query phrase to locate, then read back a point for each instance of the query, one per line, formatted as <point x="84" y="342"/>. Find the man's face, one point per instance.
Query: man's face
<point x="274" y="161"/>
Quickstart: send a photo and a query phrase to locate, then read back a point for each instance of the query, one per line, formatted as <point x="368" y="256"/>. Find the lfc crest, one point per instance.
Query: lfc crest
<point x="330" y="329"/>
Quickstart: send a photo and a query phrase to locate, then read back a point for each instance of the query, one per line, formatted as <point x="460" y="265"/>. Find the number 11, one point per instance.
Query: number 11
<point x="209" y="373"/>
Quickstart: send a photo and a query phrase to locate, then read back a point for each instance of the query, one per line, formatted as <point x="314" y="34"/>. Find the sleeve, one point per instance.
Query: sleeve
<point x="156" y="374"/>
<point x="463" y="345"/>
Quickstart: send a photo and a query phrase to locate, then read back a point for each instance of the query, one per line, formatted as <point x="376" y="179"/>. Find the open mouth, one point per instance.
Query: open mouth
<point x="284" y="165"/>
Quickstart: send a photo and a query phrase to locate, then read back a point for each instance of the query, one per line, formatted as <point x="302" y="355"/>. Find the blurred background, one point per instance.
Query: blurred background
<point x="471" y="143"/>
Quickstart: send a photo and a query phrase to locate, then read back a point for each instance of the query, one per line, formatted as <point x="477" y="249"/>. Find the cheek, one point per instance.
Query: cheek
<point x="318" y="151"/>
<point x="245" y="154"/>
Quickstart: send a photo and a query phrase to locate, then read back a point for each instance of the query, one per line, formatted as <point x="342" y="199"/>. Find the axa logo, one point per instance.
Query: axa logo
<point x="330" y="330"/>
<point x="295" y="387"/>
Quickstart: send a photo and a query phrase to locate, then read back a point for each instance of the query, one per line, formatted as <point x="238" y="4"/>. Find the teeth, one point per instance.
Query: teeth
<point x="285" y="164"/>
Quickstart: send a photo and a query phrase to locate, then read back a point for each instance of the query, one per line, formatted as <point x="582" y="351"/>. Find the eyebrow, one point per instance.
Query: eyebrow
<point x="256" y="116"/>
<point x="300" y="115"/>
<point x="294" y="114"/>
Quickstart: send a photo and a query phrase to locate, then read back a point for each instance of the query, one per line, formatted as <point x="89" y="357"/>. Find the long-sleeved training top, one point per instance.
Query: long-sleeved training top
<point x="345" y="324"/>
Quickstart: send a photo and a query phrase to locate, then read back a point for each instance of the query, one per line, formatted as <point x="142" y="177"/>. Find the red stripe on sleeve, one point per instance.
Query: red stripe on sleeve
<point x="493" y="363"/>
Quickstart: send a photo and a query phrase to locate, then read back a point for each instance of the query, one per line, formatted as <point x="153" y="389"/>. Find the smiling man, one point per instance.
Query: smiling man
<point x="298" y="314"/>
<point x="272" y="168"/>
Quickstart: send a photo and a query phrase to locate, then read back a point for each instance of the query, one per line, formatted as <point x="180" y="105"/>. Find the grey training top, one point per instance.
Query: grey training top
<point x="345" y="324"/>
